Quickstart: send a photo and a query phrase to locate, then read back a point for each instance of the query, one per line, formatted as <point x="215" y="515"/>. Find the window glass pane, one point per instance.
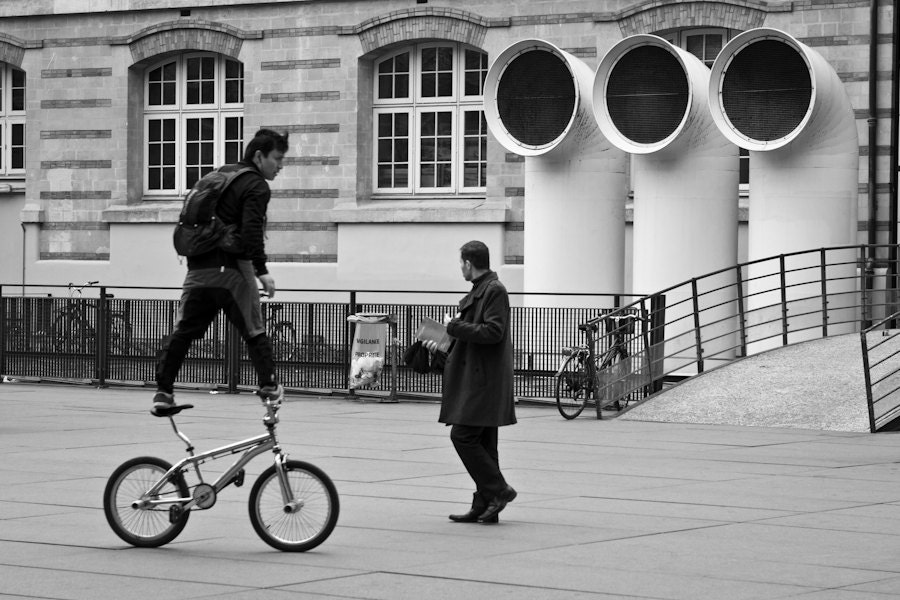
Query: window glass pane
<point x="435" y="149"/>
<point x="694" y="45"/>
<point x="474" y="149"/>
<point x="200" y="80"/>
<point x="234" y="82"/>
<point x="169" y="178"/>
<point x="476" y="66"/>
<point x="393" y="77"/>
<point x="18" y="89"/>
<point x="445" y="84"/>
<point x="437" y="72"/>
<point x="429" y="85"/>
<point x="713" y="47"/>
<point x="234" y="145"/>
<point x="385" y="151"/>
<point x="429" y="59"/>
<point x="392" y="147"/>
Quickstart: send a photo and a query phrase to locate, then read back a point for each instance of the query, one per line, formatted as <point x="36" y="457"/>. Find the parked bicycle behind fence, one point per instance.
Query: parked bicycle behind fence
<point x="577" y="379"/>
<point x="73" y="329"/>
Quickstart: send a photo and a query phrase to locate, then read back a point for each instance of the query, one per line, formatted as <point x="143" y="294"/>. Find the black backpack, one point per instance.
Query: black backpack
<point x="199" y="229"/>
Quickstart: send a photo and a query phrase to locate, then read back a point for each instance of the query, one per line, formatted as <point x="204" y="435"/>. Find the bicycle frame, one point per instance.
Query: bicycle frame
<point x="251" y="448"/>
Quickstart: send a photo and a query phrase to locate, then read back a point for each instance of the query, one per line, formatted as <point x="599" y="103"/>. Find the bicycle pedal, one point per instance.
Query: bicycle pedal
<point x="175" y="512"/>
<point x="238" y="480"/>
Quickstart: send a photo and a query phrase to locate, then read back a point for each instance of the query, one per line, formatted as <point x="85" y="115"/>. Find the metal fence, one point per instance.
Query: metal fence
<point x="105" y="340"/>
<point x="881" y="366"/>
<point x="685" y="330"/>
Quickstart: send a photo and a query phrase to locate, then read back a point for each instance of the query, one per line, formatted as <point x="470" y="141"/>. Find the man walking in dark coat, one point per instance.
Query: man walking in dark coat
<point x="478" y="383"/>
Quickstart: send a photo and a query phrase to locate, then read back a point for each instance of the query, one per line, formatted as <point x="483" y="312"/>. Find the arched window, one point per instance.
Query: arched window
<point x="429" y="126"/>
<point x="12" y="120"/>
<point x="193" y="119"/>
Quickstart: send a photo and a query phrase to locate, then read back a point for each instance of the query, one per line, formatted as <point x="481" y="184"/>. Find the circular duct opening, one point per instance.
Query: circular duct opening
<point x="647" y="94"/>
<point x="536" y="97"/>
<point x="766" y="90"/>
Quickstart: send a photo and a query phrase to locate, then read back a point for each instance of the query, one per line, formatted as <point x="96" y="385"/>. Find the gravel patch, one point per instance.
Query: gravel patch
<point x="818" y="384"/>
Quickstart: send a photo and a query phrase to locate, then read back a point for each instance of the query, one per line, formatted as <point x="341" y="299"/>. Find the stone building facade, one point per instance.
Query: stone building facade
<point x="377" y="192"/>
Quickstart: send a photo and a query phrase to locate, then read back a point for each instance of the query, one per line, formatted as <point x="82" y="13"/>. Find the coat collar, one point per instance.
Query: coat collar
<point x="479" y="286"/>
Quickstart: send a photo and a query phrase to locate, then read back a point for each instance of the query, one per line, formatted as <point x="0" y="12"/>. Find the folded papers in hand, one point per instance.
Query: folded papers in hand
<point x="431" y="330"/>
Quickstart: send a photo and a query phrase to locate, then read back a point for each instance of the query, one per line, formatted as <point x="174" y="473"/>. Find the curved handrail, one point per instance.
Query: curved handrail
<point x="734" y="312"/>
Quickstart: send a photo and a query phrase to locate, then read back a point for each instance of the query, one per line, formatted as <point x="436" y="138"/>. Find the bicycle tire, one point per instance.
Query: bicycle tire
<point x="283" y="340"/>
<point x="120" y="335"/>
<point x="571" y="393"/>
<point x="305" y="528"/>
<point x="144" y="528"/>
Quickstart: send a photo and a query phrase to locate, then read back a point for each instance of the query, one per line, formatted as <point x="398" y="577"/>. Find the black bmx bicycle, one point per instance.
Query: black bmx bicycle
<point x="293" y="504"/>
<point x="577" y="381"/>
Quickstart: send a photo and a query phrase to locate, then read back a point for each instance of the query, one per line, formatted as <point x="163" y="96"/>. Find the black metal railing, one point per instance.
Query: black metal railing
<point x="881" y="367"/>
<point x="685" y="329"/>
<point x="101" y="338"/>
<point x="711" y="320"/>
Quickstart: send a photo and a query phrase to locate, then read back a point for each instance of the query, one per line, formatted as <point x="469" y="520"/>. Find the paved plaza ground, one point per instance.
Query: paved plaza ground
<point x="624" y="508"/>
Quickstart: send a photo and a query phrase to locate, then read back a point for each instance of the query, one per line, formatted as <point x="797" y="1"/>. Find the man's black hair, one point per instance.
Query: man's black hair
<point x="266" y="140"/>
<point x="476" y="253"/>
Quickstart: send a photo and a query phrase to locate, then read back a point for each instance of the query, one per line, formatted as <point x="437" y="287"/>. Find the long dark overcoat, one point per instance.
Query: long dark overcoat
<point x="478" y="374"/>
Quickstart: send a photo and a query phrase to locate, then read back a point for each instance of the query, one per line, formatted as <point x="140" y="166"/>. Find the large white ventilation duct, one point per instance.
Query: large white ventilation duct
<point x="650" y="99"/>
<point x="538" y="105"/>
<point x="783" y="102"/>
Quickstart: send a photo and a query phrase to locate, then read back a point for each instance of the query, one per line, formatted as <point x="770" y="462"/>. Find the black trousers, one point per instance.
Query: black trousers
<point x="199" y="307"/>
<point x="477" y="448"/>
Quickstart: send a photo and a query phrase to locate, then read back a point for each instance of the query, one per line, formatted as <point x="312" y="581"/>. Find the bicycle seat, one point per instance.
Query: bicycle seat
<point x="591" y="326"/>
<point x="170" y="411"/>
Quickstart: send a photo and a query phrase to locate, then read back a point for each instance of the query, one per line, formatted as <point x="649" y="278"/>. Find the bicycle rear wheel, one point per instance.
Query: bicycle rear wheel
<point x="300" y="526"/>
<point x="572" y="388"/>
<point x="143" y="527"/>
<point x="283" y="339"/>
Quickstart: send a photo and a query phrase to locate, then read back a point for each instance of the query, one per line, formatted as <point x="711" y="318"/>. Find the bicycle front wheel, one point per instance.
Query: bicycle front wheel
<point x="572" y="388"/>
<point x="144" y="527"/>
<point x="307" y="520"/>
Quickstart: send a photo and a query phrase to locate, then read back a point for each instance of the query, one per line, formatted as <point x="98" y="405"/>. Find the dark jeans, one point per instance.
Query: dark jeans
<point x="477" y="448"/>
<point x="199" y="307"/>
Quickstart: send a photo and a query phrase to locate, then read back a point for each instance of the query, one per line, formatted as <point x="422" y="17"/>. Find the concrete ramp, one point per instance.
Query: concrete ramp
<point x="817" y="384"/>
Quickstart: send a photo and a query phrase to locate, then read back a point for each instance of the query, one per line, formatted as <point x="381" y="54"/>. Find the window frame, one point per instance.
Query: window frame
<point x="414" y="104"/>
<point x="181" y="112"/>
<point x="9" y="118"/>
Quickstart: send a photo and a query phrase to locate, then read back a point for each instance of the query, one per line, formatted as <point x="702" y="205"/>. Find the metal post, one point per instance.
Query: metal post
<point x="742" y="322"/>
<point x="784" y="308"/>
<point x="868" y="378"/>
<point x="698" y="341"/>
<point x="102" y="349"/>
<point x="823" y="275"/>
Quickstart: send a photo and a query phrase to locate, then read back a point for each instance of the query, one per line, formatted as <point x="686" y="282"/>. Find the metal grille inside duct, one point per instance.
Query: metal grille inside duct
<point x="766" y="90"/>
<point x="647" y="94"/>
<point x="536" y="97"/>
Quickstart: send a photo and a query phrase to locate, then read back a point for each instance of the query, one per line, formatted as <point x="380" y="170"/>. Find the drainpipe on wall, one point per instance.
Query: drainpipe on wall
<point x="892" y="213"/>
<point x="24" y="232"/>
<point x="873" y="122"/>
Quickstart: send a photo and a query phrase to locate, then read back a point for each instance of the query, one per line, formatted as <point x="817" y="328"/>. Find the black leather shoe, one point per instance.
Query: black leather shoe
<point x="473" y="516"/>
<point x="497" y="504"/>
<point x="478" y="507"/>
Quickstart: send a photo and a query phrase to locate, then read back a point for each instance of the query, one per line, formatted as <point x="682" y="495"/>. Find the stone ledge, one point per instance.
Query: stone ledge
<point x="421" y="211"/>
<point x="146" y="212"/>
